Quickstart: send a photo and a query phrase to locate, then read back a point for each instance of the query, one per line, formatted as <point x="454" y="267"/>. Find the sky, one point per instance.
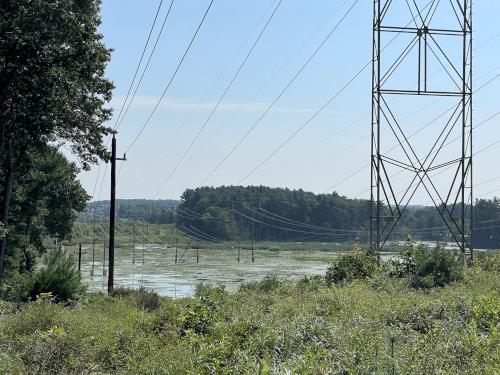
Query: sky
<point x="332" y="150"/>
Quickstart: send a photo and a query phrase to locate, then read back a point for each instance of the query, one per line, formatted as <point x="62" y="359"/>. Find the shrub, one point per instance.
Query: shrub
<point x="426" y="267"/>
<point x="267" y="284"/>
<point x="58" y="276"/>
<point x="349" y="267"/>
<point x="145" y="299"/>
<point x="405" y="263"/>
<point x="201" y="318"/>
<point x="487" y="261"/>
<point x="13" y="287"/>
<point x="437" y="267"/>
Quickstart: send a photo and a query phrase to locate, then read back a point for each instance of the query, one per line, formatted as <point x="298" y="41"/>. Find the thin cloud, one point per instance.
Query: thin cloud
<point x="171" y="104"/>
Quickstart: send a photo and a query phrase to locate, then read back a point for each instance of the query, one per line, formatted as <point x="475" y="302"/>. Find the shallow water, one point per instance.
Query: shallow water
<point x="159" y="272"/>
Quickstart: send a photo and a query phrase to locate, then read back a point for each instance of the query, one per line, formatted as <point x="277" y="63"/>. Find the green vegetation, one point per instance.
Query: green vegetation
<point x="276" y="214"/>
<point x="372" y="325"/>
<point x="350" y="267"/>
<point x="52" y="92"/>
<point x="428" y="268"/>
<point x="148" y="233"/>
<point x="421" y="312"/>
<point x="167" y="234"/>
<point x="57" y="276"/>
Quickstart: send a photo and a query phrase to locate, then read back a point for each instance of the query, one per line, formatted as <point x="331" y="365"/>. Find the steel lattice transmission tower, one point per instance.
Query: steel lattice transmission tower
<point x="426" y="61"/>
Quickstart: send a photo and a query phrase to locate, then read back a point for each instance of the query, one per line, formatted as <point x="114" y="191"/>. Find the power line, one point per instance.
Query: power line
<point x="324" y="159"/>
<point x="415" y="133"/>
<point x="329" y="234"/>
<point x="266" y="84"/>
<point x="146" y="66"/>
<point x="140" y="62"/>
<point x="312" y="147"/>
<point x="219" y="240"/>
<point x="171" y="78"/>
<point x="287" y="86"/>
<point x="304" y="125"/>
<point x="215" y="82"/>
<point x="118" y="121"/>
<point x="214" y="109"/>
<point x="282" y="219"/>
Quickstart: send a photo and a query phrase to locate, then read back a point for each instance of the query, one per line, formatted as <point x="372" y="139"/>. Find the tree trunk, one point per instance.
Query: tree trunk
<point x="7" y="194"/>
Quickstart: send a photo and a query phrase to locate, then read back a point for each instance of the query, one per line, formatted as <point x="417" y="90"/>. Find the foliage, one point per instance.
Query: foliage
<point x="45" y="205"/>
<point x="348" y="267"/>
<point x="143" y="298"/>
<point x="52" y="92"/>
<point x="52" y="78"/>
<point x="437" y="267"/>
<point x="227" y="212"/>
<point x="487" y="262"/>
<point x="201" y="317"/>
<point x="57" y="276"/>
<point x="267" y="284"/>
<point x="304" y="328"/>
<point x="213" y="210"/>
<point x="426" y="267"/>
<point x="3" y="230"/>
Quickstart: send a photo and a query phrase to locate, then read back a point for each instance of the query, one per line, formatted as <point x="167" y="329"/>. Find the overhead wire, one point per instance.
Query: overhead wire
<point x="282" y="92"/>
<point x="120" y="118"/>
<point x="272" y="78"/>
<point x="215" y="82"/>
<point x="330" y="234"/>
<point x="310" y="119"/>
<point x="214" y="109"/>
<point x="160" y="99"/>
<point x="295" y="223"/>
<point x="313" y="146"/>
<point x="410" y="136"/>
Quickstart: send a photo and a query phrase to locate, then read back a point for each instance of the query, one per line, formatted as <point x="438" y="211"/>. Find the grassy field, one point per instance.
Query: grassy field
<point x="372" y="326"/>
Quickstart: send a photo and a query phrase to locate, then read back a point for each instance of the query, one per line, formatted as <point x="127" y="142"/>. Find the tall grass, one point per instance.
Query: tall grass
<point x="374" y="325"/>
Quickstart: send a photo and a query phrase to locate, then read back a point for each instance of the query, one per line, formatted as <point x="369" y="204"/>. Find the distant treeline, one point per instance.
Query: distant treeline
<point x="276" y="214"/>
<point x="151" y="211"/>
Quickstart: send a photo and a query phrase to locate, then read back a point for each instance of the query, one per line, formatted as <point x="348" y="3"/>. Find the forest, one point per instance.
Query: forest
<point x="280" y="214"/>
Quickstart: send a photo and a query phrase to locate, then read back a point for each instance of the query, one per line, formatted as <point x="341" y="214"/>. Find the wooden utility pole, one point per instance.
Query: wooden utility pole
<point x="103" y="261"/>
<point x="239" y="239"/>
<point x="197" y="252"/>
<point x="253" y="245"/>
<point x="112" y="212"/>
<point x="176" y="243"/>
<point x="80" y="257"/>
<point x="93" y="243"/>
<point x="146" y="226"/>
<point x="133" y="236"/>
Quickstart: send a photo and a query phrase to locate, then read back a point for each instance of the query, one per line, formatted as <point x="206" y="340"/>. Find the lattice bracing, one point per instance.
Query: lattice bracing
<point x="423" y="67"/>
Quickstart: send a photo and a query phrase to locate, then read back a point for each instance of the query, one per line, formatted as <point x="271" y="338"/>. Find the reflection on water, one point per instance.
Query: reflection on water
<point x="158" y="271"/>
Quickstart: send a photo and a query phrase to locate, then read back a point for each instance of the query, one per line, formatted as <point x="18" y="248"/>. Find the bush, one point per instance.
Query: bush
<point x="145" y="299"/>
<point x="267" y="284"/>
<point x="438" y="267"/>
<point x="349" y="267"/>
<point x="13" y="287"/>
<point x="487" y="261"/>
<point x="58" y="276"/>
<point x="427" y="268"/>
<point x="201" y="318"/>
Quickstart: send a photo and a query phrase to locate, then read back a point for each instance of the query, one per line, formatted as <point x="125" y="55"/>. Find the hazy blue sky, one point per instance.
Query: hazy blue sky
<point x="333" y="146"/>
